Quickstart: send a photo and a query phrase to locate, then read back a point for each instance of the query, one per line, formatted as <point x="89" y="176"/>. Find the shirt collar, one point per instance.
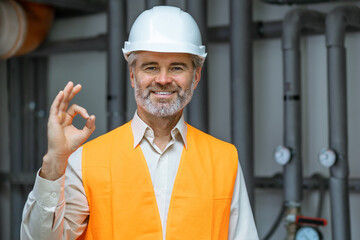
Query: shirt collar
<point x="139" y="128"/>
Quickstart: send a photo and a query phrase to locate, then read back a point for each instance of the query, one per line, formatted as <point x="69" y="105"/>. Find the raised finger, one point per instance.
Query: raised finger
<point x="76" y="89"/>
<point x="54" y="109"/>
<point x="65" y="101"/>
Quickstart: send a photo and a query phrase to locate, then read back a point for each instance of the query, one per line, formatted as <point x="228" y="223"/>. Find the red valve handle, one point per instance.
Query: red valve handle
<point x="302" y="220"/>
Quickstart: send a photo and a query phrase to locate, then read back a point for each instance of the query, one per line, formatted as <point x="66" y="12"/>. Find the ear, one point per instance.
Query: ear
<point x="197" y="76"/>
<point x="131" y="72"/>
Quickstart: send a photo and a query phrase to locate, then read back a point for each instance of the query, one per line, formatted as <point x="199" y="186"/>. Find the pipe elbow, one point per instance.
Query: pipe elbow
<point x="336" y="22"/>
<point x="23" y="26"/>
<point x="298" y="19"/>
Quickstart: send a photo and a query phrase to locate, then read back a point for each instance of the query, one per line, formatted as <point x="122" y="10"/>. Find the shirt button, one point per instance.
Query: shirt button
<point x="53" y="194"/>
<point x="159" y="193"/>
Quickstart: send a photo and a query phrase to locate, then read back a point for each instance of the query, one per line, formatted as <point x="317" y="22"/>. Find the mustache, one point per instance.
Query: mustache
<point x="159" y="87"/>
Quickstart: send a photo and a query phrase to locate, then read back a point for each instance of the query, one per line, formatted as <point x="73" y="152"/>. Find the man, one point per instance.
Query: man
<point x="155" y="177"/>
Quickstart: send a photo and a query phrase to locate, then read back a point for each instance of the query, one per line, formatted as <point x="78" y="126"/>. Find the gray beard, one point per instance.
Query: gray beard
<point x="163" y="108"/>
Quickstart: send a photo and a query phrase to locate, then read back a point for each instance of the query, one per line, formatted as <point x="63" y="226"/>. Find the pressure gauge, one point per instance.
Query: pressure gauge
<point x="308" y="233"/>
<point x="282" y="155"/>
<point x="327" y="157"/>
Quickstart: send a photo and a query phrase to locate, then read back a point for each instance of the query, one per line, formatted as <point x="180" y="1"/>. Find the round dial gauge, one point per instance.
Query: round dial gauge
<point x="307" y="233"/>
<point x="282" y="155"/>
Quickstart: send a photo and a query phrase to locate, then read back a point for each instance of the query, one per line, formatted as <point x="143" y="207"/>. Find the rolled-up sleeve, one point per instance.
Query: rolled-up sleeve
<point x="44" y="215"/>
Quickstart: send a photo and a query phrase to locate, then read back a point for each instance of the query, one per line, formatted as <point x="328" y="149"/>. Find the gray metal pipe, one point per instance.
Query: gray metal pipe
<point x="289" y="2"/>
<point x="153" y="3"/>
<point x="242" y="127"/>
<point x="116" y="85"/>
<point x="293" y="23"/>
<point x="16" y="141"/>
<point x="79" y="5"/>
<point x="41" y="109"/>
<point x="197" y="110"/>
<point x="336" y="22"/>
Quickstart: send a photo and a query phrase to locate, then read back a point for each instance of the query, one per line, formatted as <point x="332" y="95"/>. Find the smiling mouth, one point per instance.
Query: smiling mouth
<point x="163" y="93"/>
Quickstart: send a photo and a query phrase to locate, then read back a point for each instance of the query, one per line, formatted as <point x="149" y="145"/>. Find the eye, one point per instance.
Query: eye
<point x="150" y="69"/>
<point x="177" y="68"/>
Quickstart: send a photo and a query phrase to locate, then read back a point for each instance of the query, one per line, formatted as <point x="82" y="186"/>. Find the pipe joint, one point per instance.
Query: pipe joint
<point x="337" y="21"/>
<point x="299" y="19"/>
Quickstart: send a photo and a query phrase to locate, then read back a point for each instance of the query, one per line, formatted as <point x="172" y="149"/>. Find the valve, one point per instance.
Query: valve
<point x="302" y="220"/>
<point x="282" y="155"/>
<point x="308" y="228"/>
<point x="327" y="157"/>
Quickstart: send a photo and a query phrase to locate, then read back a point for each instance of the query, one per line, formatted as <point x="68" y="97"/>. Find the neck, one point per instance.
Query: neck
<point x="161" y="126"/>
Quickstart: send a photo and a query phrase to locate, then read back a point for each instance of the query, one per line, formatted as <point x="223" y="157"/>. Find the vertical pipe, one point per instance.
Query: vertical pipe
<point x="292" y="125"/>
<point x="4" y="153"/>
<point x="198" y="107"/>
<point x="41" y="109"/>
<point x="29" y="138"/>
<point x="153" y="3"/>
<point x="116" y="85"/>
<point x="336" y="22"/>
<point x="242" y="88"/>
<point x="294" y="21"/>
<point x="16" y="148"/>
<point x="338" y="141"/>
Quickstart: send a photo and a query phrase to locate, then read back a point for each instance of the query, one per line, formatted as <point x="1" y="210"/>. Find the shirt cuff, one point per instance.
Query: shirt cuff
<point x="49" y="193"/>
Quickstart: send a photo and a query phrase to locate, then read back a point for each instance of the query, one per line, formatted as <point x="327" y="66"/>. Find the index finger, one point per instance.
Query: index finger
<point x="65" y="101"/>
<point x="54" y="109"/>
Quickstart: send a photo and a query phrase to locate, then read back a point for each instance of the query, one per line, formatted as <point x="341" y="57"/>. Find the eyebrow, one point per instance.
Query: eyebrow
<point x="171" y="64"/>
<point x="148" y="63"/>
<point x="179" y="64"/>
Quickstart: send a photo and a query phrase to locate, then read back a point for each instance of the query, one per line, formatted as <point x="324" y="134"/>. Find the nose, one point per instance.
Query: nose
<point x="163" y="78"/>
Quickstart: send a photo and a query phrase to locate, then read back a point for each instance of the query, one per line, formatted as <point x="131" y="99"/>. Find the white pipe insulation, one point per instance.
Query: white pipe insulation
<point x="23" y="26"/>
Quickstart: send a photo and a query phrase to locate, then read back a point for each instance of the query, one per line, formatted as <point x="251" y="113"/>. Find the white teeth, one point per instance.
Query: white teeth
<point x="163" y="93"/>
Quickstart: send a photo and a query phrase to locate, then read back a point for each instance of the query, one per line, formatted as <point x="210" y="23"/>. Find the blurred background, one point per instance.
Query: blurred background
<point x="281" y="82"/>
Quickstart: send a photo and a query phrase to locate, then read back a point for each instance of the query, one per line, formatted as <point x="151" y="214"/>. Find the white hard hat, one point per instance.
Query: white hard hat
<point x="165" y="29"/>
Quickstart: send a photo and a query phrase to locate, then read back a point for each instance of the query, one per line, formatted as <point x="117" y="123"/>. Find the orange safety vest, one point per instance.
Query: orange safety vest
<point x="121" y="196"/>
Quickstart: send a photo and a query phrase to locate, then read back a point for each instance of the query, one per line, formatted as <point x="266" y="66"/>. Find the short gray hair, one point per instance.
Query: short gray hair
<point x="131" y="59"/>
<point x="195" y="59"/>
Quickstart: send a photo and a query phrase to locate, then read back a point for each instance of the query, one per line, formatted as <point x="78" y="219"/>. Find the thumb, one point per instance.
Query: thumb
<point x="89" y="126"/>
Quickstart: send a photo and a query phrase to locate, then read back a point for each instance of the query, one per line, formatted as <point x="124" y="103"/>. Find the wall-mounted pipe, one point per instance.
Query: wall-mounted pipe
<point x="242" y="127"/>
<point x="336" y="22"/>
<point x="116" y="85"/>
<point x="197" y="110"/>
<point x="81" y="6"/>
<point x="289" y="2"/>
<point x="23" y="26"/>
<point x="293" y="23"/>
<point x="152" y="3"/>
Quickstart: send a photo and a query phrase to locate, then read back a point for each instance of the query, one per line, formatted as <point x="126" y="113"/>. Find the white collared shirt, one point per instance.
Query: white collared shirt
<point x="59" y="209"/>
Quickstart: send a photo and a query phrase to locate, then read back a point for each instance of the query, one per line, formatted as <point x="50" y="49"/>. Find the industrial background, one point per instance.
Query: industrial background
<point x="281" y="81"/>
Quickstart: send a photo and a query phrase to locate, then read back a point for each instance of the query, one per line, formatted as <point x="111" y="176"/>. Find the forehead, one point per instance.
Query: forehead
<point x="162" y="58"/>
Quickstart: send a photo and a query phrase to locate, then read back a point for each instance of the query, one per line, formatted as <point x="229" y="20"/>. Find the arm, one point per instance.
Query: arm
<point x="46" y="205"/>
<point x="44" y="215"/>
<point x="241" y="225"/>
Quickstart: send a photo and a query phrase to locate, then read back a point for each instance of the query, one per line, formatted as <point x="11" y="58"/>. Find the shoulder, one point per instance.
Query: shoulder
<point x="201" y="137"/>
